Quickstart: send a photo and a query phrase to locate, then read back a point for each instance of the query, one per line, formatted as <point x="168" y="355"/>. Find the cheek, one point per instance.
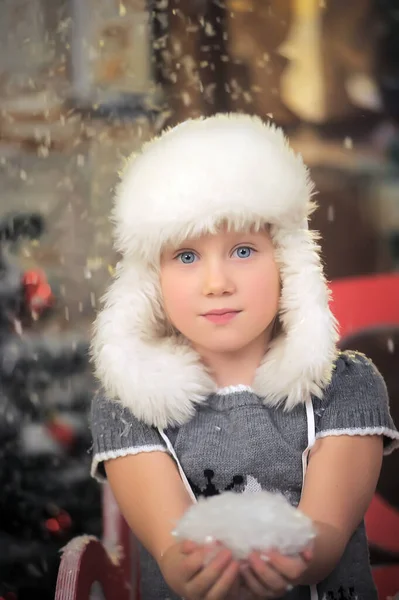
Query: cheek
<point x="177" y="298"/>
<point x="264" y="292"/>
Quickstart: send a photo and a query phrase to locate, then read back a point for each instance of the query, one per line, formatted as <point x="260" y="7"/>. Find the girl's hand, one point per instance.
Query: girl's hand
<point x="200" y="572"/>
<point x="272" y="575"/>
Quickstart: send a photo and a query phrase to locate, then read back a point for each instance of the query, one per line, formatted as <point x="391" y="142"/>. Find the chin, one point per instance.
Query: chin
<point x="229" y="344"/>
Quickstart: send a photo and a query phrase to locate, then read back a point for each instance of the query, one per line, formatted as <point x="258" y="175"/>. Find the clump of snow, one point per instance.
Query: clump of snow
<point x="247" y="522"/>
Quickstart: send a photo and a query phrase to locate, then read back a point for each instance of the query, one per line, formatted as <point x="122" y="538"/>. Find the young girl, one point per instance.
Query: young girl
<point x="216" y="351"/>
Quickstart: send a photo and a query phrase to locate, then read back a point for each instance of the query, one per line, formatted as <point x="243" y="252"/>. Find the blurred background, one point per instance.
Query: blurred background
<point x="83" y="83"/>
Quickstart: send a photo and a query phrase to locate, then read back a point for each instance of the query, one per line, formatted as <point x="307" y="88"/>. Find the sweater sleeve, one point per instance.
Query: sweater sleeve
<point x="116" y="432"/>
<point x="356" y="402"/>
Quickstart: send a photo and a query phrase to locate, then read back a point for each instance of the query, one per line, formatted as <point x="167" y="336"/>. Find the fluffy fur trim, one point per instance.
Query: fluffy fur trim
<point x="299" y="361"/>
<point x="188" y="180"/>
<point x="225" y="168"/>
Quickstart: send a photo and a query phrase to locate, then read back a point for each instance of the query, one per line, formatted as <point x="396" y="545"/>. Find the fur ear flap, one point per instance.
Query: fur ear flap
<point x="159" y="378"/>
<point x="299" y="362"/>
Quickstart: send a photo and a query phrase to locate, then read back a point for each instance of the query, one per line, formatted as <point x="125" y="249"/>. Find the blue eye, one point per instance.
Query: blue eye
<point x="243" y="252"/>
<point x="186" y="257"/>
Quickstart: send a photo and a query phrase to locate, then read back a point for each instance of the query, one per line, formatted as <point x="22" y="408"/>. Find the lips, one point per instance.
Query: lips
<point x="222" y="316"/>
<point x="221" y="311"/>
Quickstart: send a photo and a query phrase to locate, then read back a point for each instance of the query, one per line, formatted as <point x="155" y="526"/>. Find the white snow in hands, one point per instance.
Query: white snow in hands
<point x="247" y="522"/>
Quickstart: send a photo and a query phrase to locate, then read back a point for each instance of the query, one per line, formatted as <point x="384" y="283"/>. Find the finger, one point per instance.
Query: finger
<point x="307" y="554"/>
<point x="199" y="558"/>
<point x="205" y="579"/>
<point x="290" y="567"/>
<point x="269" y="576"/>
<point x="188" y="546"/>
<point x="254" y="585"/>
<point x="193" y="562"/>
<point x="225" y="584"/>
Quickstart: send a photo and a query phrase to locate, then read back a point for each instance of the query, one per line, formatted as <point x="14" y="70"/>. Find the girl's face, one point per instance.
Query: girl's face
<point x="221" y="291"/>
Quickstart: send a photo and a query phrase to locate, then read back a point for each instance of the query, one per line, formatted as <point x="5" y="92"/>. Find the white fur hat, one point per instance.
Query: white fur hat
<point x="186" y="182"/>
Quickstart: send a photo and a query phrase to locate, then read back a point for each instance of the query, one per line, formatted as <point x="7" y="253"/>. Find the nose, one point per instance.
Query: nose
<point x="217" y="279"/>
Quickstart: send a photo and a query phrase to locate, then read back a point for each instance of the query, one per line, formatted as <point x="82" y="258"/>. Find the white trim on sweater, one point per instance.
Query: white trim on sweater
<point x="352" y="431"/>
<point x="130" y="451"/>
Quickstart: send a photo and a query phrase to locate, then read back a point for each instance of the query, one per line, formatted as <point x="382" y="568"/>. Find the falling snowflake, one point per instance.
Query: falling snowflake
<point x="348" y="143"/>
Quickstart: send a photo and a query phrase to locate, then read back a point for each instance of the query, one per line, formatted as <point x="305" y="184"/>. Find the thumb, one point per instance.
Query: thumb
<point x="188" y="546"/>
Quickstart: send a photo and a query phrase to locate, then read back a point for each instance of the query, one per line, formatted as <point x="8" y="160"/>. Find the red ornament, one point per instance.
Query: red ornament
<point x="53" y="526"/>
<point x="64" y="520"/>
<point x="61" y="432"/>
<point x="37" y="291"/>
<point x="58" y="524"/>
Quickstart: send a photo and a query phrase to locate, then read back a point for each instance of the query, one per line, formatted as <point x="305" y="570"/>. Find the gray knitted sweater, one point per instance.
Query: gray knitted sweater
<point x="235" y="442"/>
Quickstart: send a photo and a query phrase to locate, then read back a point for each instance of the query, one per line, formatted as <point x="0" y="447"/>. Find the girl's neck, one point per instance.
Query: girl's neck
<point x="236" y="368"/>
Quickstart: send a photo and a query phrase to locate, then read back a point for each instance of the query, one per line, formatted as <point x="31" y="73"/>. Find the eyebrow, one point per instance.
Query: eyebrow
<point x="192" y="242"/>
